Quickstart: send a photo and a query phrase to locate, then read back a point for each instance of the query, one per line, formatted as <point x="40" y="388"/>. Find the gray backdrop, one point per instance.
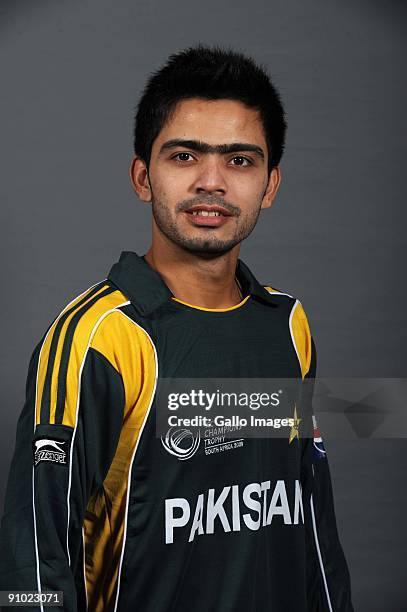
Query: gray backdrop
<point x="71" y="73"/>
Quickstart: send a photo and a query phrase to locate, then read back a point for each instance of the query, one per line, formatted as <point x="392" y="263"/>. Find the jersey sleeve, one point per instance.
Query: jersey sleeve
<point x="328" y="580"/>
<point x="67" y="434"/>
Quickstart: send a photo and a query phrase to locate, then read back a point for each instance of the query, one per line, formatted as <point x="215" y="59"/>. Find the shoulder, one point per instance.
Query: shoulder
<point x="80" y="318"/>
<point x="66" y="343"/>
<point x="92" y="326"/>
<point x="299" y="327"/>
<point x="275" y="291"/>
<point x="63" y="351"/>
<point x="74" y="327"/>
<point x="97" y="319"/>
<point x="297" y="311"/>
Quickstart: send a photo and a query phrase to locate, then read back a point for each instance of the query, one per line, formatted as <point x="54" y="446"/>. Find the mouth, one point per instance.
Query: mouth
<point x="204" y="215"/>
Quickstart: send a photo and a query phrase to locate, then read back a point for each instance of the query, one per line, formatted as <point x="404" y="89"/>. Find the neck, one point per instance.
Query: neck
<point x="206" y="283"/>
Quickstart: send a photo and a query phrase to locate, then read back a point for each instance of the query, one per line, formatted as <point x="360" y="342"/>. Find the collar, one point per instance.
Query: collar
<point x="147" y="291"/>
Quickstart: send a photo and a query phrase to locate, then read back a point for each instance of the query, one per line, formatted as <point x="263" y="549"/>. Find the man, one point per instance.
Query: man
<point x="98" y="506"/>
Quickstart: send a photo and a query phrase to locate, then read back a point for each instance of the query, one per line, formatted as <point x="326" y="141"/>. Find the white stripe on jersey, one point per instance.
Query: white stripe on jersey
<point x="314" y="526"/>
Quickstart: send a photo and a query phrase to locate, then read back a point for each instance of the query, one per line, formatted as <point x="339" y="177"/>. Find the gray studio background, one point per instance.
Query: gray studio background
<point x="71" y="73"/>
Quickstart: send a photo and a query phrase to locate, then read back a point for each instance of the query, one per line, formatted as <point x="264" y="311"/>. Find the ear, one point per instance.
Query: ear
<point x="139" y="179"/>
<point x="272" y="187"/>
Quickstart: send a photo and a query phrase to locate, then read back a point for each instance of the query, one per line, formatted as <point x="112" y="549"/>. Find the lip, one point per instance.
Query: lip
<point x="199" y="221"/>
<point x="213" y="208"/>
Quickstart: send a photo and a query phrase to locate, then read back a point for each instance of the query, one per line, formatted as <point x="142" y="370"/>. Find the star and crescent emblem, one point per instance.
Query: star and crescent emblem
<point x="295" y="433"/>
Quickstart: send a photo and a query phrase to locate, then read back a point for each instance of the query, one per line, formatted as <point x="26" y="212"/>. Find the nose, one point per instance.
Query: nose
<point x="210" y="177"/>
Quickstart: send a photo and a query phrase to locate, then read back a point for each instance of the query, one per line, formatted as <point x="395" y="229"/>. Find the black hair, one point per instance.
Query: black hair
<point x="210" y="73"/>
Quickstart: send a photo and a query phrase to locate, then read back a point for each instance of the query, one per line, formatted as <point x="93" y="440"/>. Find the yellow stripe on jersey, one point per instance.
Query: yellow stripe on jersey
<point x="300" y="332"/>
<point x="46" y="346"/>
<point x="81" y="337"/>
<point x="302" y="337"/>
<point x="129" y="349"/>
<point x="83" y="332"/>
<point x="213" y="309"/>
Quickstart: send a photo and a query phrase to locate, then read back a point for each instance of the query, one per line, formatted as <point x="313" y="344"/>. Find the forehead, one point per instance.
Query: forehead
<point x="214" y="122"/>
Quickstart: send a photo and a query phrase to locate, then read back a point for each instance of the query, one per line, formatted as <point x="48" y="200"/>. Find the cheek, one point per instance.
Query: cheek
<point x="259" y="194"/>
<point x="249" y="189"/>
<point x="249" y="197"/>
<point x="171" y="186"/>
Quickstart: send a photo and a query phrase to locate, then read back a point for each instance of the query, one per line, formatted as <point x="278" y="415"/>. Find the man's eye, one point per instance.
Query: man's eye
<point x="182" y="156"/>
<point x="241" y="159"/>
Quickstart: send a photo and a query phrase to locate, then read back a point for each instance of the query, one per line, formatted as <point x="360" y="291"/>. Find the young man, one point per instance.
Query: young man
<point x="98" y="506"/>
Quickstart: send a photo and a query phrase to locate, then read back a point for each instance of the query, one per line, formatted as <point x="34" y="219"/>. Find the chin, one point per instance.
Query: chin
<point x="205" y="249"/>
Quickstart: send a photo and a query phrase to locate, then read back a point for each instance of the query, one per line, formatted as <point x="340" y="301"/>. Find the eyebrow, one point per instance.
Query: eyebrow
<point x="203" y="147"/>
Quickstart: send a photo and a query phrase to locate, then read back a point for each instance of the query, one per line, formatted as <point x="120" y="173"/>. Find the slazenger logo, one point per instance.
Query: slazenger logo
<point x="49" y="450"/>
<point x="181" y="443"/>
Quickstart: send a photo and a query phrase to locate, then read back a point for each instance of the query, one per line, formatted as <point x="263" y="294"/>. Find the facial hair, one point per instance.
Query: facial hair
<point x="206" y="246"/>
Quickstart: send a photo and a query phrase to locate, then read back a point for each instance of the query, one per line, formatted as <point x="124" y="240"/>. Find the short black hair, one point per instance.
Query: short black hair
<point x="209" y="73"/>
